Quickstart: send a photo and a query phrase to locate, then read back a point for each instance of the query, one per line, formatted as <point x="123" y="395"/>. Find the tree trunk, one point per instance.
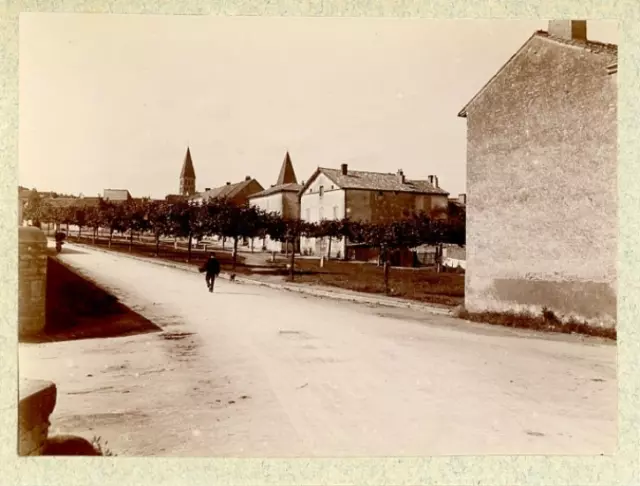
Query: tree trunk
<point x="252" y="239"/>
<point x="292" y="261"/>
<point x="67" y="228"/>
<point x="189" y="248"/>
<point x="235" y="253"/>
<point x="110" y="237"/>
<point x="329" y="249"/>
<point x="95" y="230"/>
<point x="386" y="271"/>
<point x="157" y="245"/>
<point x="130" y="240"/>
<point x="224" y="239"/>
<point x="79" y="232"/>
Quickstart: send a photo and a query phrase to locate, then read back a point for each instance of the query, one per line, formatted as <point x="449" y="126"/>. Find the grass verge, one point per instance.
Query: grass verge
<point x="547" y="321"/>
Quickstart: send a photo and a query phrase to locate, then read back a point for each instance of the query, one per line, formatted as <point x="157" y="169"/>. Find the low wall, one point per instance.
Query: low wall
<point x="37" y="399"/>
<point x="32" y="278"/>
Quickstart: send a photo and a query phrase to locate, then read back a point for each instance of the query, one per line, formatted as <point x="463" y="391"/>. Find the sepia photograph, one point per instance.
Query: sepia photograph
<point x="299" y="237"/>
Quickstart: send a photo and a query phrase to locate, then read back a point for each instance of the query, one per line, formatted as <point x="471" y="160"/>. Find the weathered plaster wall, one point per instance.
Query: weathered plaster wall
<point x="291" y="205"/>
<point x="541" y="178"/>
<point x="314" y="208"/>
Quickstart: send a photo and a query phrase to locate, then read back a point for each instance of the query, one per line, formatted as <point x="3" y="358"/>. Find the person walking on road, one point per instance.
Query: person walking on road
<point x="211" y="269"/>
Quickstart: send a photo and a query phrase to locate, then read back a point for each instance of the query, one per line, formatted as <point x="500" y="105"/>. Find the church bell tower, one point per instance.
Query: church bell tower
<point x="187" y="176"/>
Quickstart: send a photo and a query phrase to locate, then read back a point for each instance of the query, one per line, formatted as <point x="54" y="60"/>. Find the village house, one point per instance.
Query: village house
<point x="281" y="198"/>
<point x="336" y="194"/>
<point x="541" y="179"/>
<point x="237" y="193"/>
<point x="116" y="195"/>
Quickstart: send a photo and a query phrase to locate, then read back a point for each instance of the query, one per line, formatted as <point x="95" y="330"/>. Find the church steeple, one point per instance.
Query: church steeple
<point x="187" y="176"/>
<point x="287" y="174"/>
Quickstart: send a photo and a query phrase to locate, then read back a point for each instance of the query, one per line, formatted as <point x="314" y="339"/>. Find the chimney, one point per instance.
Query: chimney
<point x="207" y="189"/>
<point x="344" y="168"/>
<point x="247" y="178"/>
<point x="462" y="198"/>
<point x="433" y="180"/>
<point x="569" y="29"/>
<point x="400" y="176"/>
<point x="228" y="183"/>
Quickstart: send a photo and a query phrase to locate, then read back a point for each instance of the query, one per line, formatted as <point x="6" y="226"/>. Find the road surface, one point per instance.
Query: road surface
<point x="253" y="371"/>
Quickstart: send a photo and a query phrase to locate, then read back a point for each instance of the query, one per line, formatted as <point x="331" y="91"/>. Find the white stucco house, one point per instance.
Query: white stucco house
<point x="281" y="198"/>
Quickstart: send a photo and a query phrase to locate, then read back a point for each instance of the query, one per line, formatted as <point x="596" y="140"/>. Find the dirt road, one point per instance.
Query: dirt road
<point x="252" y="371"/>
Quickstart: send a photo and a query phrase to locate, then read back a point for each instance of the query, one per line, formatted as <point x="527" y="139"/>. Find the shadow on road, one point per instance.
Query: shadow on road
<point x="77" y="308"/>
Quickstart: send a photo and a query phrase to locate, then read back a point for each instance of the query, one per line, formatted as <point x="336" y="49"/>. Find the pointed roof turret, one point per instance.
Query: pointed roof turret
<point x="187" y="167"/>
<point x="287" y="174"/>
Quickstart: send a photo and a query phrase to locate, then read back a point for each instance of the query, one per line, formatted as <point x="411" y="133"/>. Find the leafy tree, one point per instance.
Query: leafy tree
<point x="33" y="208"/>
<point x="66" y="215"/>
<point x="157" y="216"/>
<point x="184" y="220"/>
<point x="95" y="219"/>
<point x="113" y="217"/>
<point x="289" y="232"/>
<point x="329" y="228"/>
<point x="238" y="221"/>
<point x="78" y="215"/>
<point x="134" y="218"/>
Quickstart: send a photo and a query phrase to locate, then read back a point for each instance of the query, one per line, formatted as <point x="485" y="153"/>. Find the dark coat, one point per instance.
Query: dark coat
<point x="211" y="267"/>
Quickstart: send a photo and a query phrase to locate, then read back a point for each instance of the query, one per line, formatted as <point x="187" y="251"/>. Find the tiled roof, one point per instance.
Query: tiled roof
<point x="590" y="45"/>
<point x="379" y="181"/>
<point x="227" y="191"/>
<point x="276" y="189"/>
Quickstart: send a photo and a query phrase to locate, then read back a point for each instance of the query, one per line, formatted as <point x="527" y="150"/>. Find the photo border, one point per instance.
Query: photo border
<point x="621" y="468"/>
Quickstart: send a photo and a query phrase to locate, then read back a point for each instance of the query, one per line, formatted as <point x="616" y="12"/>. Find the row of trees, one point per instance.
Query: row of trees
<point x="222" y="218"/>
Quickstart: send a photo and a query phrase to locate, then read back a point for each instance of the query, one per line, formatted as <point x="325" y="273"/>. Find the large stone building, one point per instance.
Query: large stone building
<point x="281" y="198"/>
<point x="541" y="180"/>
<point x="335" y="194"/>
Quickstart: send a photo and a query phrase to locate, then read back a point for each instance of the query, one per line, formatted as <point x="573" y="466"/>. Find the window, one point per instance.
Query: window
<point x="321" y="214"/>
<point x="335" y="212"/>
<point x="321" y="191"/>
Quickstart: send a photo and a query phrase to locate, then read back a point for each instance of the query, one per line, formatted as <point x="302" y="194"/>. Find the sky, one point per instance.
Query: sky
<point x="113" y="101"/>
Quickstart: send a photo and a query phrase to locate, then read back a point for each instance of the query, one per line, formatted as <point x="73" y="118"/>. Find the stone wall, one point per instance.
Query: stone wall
<point x="387" y="206"/>
<point x="37" y="399"/>
<point x="32" y="277"/>
<point x="541" y="178"/>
